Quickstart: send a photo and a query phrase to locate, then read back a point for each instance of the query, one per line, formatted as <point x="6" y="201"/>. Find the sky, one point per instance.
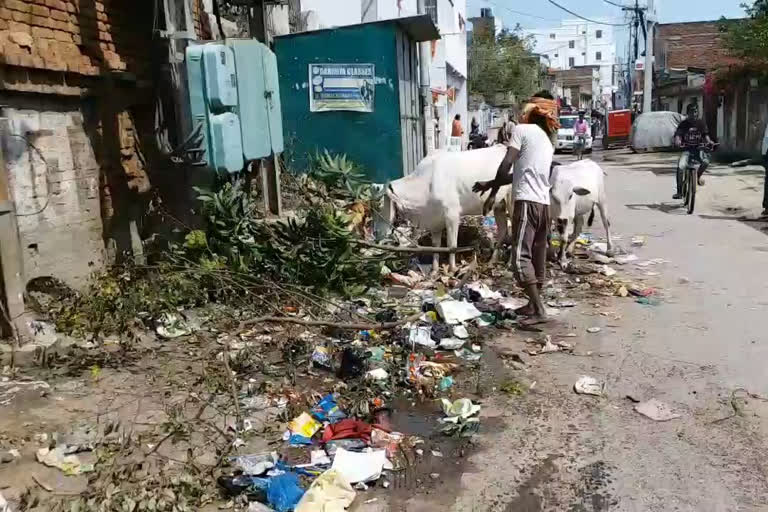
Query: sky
<point x="542" y="14"/>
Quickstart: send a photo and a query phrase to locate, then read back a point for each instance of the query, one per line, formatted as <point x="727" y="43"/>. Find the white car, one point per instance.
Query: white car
<point x="566" y="135"/>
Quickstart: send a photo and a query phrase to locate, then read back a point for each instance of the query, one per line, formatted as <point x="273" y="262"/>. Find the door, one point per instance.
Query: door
<point x="411" y="124"/>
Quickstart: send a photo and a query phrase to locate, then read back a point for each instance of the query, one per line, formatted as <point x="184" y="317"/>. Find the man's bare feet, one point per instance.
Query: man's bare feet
<point x="535" y="320"/>
<point x="527" y="310"/>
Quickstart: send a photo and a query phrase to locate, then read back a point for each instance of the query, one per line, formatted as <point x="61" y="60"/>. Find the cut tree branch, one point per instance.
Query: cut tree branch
<point x="419" y="249"/>
<point x="330" y="323"/>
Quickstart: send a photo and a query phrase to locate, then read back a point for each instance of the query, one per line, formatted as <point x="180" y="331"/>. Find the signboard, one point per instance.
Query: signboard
<point x="347" y="87"/>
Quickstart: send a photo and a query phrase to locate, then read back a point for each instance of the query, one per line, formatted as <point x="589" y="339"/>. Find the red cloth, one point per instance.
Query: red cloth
<point x="349" y="429"/>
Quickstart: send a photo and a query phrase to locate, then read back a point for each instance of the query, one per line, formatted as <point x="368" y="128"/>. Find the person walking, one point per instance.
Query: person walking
<point x="530" y="153"/>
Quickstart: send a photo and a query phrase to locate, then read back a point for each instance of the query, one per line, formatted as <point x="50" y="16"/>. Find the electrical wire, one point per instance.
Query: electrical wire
<point x="47" y="174"/>
<point x="585" y="19"/>
<point x="520" y="13"/>
<point x="617" y="5"/>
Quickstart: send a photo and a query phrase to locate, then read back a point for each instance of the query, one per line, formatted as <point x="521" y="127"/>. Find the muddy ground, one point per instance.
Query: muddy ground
<point x="540" y="445"/>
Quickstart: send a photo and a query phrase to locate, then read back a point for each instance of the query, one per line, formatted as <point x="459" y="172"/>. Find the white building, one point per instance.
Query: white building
<point x="580" y="43"/>
<point x="448" y="70"/>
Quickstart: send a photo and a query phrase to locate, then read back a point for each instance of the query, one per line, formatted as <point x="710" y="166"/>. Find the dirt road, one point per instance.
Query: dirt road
<point x="559" y="451"/>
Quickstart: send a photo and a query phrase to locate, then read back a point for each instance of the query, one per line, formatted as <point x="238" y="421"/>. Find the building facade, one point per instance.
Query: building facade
<point x="579" y="86"/>
<point x="581" y="43"/>
<point x="486" y="22"/>
<point x="448" y="68"/>
<point x="694" y="67"/>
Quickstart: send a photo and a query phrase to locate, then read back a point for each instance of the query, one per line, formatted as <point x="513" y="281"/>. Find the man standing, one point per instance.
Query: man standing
<point x="530" y="151"/>
<point x="457" y="130"/>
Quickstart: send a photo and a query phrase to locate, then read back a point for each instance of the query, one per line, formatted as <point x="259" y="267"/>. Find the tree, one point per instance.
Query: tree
<point x="502" y="64"/>
<point x="749" y="38"/>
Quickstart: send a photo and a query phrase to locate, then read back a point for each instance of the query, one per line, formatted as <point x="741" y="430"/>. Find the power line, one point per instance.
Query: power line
<point x="518" y="12"/>
<point x="583" y="18"/>
<point x="617" y="5"/>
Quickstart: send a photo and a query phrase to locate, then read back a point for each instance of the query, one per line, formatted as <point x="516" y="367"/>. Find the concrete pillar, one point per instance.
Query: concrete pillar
<point x="10" y="251"/>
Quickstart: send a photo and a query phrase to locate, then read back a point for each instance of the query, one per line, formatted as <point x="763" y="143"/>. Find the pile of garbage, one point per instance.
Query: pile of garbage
<point x="346" y="442"/>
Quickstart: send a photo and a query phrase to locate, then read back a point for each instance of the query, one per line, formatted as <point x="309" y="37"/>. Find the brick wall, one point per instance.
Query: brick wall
<point x="697" y="45"/>
<point x="77" y="36"/>
<point x="76" y="83"/>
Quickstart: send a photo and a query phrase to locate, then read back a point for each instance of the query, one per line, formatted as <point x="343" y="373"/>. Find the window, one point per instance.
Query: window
<point x="599" y="34"/>
<point x="430" y="7"/>
<point x="557" y="55"/>
<point x="599" y="56"/>
<point x="571" y="44"/>
<point x="551" y="36"/>
<point x="571" y="62"/>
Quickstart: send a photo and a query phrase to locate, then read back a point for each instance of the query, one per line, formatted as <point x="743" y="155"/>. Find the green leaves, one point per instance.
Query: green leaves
<point x="748" y="38"/>
<point x="502" y="65"/>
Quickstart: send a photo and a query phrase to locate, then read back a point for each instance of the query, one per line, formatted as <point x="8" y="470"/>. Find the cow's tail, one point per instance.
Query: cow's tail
<point x="591" y="217"/>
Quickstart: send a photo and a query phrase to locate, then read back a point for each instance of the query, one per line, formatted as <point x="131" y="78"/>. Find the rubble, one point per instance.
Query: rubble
<point x="589" y="386"/>
<point x="656" y="410"/>
<point x="310" y="366"/>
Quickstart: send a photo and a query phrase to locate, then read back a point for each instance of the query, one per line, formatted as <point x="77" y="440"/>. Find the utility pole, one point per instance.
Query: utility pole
<point x="650" y="17"/>
<point x="425" y="61"/>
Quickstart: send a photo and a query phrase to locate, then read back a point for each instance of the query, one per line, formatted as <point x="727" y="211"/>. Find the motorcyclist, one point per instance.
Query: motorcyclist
<point x="474" y="127"/>
<point x="689" y="135"/>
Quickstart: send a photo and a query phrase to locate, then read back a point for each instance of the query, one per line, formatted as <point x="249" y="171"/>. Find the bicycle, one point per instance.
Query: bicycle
<point x="690" y="179"/>
<point x="578" y="146"/>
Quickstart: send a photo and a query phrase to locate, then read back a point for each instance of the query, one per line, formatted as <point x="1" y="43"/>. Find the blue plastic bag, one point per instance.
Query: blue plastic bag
<point x="284" y="493"/>
<point x="327" y="410"/>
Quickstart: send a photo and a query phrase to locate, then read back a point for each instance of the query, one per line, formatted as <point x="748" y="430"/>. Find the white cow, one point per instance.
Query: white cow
<point x="439" y="192"/>
<point x="576" y="189"/>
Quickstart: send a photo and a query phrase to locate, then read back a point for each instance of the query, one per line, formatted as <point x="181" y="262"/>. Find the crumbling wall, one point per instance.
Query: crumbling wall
<point x="54" y="179"/>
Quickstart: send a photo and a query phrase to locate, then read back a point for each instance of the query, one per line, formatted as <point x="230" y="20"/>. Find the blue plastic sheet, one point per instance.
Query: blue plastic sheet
<point x="284" y="492"/>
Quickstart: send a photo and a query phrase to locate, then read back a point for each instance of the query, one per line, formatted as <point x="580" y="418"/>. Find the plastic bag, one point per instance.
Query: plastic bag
<point x="304" y="425"/>
<point x="327" y="410"/>
<point x="329" y="493"/>
<point x="284" y="492"/>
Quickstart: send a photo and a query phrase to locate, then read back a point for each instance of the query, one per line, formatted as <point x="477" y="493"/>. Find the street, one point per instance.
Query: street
<point x="552" y="449"/>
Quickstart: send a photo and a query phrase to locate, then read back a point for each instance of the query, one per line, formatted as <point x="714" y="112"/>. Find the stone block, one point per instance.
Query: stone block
<point x="15" y="26"/>
<point x="21" y="17"/>
<point x="21" y="39"/>
<point x="17" y="5"/>
<point x="42" y="33"/>
<point x="40" y="21"/>
<point x="60" y="15"/>
<point x="39" y="10"/>
<point x="62" y="36"/>
<point x="56" y="4"/>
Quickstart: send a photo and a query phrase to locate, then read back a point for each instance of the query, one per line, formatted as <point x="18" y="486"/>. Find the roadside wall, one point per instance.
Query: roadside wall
<point x="77" y="85"/>
<point x="742" y="118"/>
